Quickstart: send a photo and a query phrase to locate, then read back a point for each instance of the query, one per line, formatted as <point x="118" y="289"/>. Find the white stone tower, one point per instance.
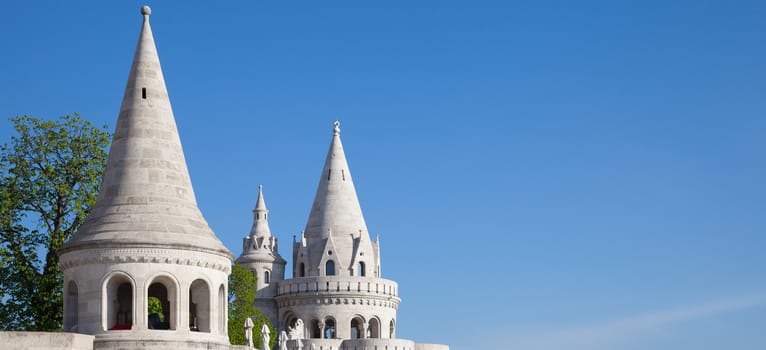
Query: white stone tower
<point x="259" y="254"/>
<point x="336" y="289"/>
<point x="145" y="238"/>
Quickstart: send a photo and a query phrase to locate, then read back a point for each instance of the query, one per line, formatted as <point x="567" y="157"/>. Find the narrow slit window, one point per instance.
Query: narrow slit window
<point x="343" y="174"/>
<point x="143" y="93"/>
<point x="328" y="174"/>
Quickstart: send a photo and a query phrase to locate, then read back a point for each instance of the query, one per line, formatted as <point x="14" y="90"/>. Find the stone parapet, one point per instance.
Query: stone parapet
<point x="45" y="341"/>
<point x="338" y="285"/>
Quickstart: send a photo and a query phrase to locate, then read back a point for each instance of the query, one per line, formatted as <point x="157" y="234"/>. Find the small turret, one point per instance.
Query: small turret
<point x="260" y="255"/>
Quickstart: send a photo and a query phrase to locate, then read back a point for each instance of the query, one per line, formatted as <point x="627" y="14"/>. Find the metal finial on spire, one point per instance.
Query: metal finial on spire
<point x="260" y="187"/>
<point x="336" y="129"/>
<point x="146" y="10"/>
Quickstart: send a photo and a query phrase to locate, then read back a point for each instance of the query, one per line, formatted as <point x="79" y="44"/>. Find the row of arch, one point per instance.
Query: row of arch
<point x="327" y="327"/>
<point x="165" y="308"/>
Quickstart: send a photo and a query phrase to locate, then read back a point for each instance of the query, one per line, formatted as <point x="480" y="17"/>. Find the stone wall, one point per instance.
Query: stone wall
<point x="45" y="341"/>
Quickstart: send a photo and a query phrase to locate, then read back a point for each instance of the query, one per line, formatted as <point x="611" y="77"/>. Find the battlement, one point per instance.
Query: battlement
<point x="338" y="285"/>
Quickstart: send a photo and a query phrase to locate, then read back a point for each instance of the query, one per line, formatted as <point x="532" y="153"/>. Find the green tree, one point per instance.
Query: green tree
<point x="49" y="178"/>
<point x="242" y="286"/>
<point x="155" y="307"/>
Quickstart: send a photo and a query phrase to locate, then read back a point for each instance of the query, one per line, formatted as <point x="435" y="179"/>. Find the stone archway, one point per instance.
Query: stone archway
<point x="118" y="300"/>
<point x="162" y="290"/>
<point x="373" y="330"/>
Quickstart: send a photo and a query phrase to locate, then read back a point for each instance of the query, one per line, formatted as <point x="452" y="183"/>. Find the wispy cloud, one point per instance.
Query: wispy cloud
<point x="621" y="330"/>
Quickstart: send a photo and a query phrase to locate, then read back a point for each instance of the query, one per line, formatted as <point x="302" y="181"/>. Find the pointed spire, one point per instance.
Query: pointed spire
<point x="260" y="203"/>
<point x="336" y="207"/>
<point x="336" y="212"/>
<point x="260" y="218"/>
<point x="146" y="195"/>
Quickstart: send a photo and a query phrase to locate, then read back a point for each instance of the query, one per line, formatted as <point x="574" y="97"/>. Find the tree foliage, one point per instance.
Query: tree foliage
<point x="49" y="178"/>
<point x="242" y="287"/>
<point x="155" y="308"/>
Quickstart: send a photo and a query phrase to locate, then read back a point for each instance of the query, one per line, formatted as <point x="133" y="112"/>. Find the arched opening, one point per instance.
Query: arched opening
<point x="302" y="270"/>
<point x="222" y="310"/>
<point x="119" y="303"/>
<point x="329" y="268"/>
<point x="199" y="306"/>
<point x="71" y="308"/>
<point x="294" y="326"/>
<point x="357" y="328"/>
<point x="315" y="331"/>
<point x="392" y="330"/>
<point x="266" y="277"/>
<point x="290" y="320"/>
<point x="161" y="304"/>
<point x="374" y="329"/>
<point x="329" y="328"/>
<point x="360" y="269"/>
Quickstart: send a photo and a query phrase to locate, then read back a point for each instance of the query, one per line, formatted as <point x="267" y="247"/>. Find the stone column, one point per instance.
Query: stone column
<point x="140" y="320"/>
<point x="183" y="306"/>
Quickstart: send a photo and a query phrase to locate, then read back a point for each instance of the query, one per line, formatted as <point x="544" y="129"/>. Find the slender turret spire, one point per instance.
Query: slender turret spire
<point x="146" y="195"/>
<point x="260" y="255"/>
<point x="260" y="218"/>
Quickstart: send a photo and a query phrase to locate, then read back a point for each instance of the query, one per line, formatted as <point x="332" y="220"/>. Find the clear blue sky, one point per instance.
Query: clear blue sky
<point x="543" y="175"/>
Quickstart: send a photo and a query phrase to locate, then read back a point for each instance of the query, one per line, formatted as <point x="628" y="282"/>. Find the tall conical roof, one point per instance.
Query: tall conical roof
<point x="146" y="196"/>
<point x="336" y="211"/>
<point x="336" y="207"/>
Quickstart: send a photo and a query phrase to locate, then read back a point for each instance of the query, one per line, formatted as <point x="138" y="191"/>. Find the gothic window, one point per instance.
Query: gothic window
<point x="329" y="268"/>
<point x="199" y="306"/>
<point x="266" y="277"/>
<point x="302" y="270"/>
<point x="392" y="330"/>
